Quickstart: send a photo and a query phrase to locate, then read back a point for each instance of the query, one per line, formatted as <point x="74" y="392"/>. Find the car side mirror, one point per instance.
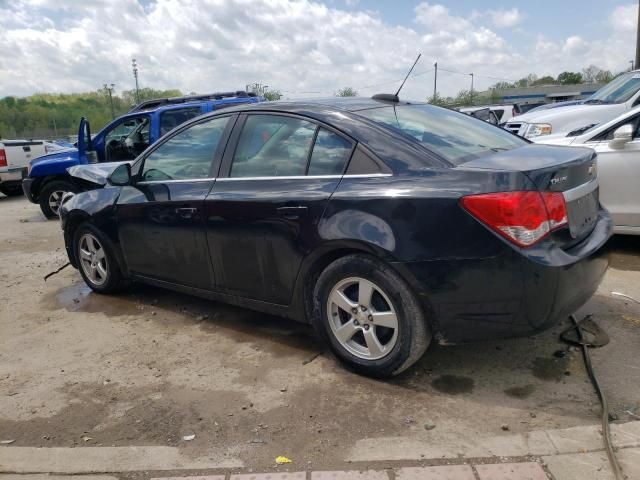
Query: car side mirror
<point x="121" y="175"/>
<point x="621" y="136"/>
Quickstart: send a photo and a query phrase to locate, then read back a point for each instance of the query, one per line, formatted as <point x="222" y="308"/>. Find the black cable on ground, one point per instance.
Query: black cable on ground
<point x="606" y="432"/>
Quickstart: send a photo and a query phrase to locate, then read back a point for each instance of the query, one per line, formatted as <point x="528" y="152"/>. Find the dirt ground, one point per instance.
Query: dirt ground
<point x="149" y="366"/>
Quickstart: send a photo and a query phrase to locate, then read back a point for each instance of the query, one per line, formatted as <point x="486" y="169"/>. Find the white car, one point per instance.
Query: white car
<point x="617" y="144"/>
<point x="503" y="113"/>
<point x="15" y="156"/>
<point x="618" y="96"/>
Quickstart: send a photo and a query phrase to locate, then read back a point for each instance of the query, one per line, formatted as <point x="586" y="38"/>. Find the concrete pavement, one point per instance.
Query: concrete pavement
<point x="560" y="454"/>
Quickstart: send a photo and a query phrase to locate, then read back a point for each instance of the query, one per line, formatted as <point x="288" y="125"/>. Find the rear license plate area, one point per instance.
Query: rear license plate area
<point x="582" y="213"/>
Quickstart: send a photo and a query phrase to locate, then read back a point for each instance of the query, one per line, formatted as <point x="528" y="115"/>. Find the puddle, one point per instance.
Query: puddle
<point x="550" y="368"/>
<point x="523" y="391"/>
<point x="80" y="298"/>
<point x="453" y="384"/>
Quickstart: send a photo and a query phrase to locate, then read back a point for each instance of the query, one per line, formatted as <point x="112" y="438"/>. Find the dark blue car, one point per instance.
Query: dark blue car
<point x="386" y="224"/>
<point x="121" y="140"/>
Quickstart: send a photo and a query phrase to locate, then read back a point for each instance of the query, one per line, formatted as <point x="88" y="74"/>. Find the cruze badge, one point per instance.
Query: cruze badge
<point x="556" y="180"/>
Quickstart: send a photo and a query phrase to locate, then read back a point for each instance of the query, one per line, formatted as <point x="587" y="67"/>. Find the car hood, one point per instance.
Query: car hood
<point x="554" y="139"/>
<point x="66" y="155"/>
<point x="566" y="119"/>
<point x="96" y="173"/>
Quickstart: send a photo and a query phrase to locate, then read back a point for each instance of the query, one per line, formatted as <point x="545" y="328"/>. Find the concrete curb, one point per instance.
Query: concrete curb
<point x="105" y="460"/>
<point x="537" y="443"/>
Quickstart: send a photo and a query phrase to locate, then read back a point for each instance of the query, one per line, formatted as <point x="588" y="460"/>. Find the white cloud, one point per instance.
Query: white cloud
<point x="296" y="46"/>
<point x="505" y="18"/>
<point x="624" y="18"/>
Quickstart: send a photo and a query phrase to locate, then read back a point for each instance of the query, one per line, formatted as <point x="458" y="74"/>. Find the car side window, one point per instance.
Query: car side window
<point x="330" y="154"/>
<point x="172" y="118"/>
<point x="187" y="154"/>
<point x="272" y="146"/>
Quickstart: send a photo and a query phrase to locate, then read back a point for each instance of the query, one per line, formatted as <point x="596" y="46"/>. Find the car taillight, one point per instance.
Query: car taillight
<point x="521" y="217"/>
<point x="3" y="158"/>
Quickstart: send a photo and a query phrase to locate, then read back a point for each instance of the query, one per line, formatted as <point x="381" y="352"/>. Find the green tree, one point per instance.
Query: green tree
<point x="272" y="95"/>
<point x="347" y="92"/>
<point x="545" y="80"/>
<point x="604" y="76"/>
<point x="570" y="78"/>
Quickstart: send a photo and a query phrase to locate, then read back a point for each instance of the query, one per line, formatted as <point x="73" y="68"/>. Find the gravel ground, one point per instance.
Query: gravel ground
<point x="149" y="366"/>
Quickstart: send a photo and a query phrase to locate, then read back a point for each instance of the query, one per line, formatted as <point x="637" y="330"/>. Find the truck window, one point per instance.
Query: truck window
<point x="172" y="118"/>
<point x="127" y="139"/>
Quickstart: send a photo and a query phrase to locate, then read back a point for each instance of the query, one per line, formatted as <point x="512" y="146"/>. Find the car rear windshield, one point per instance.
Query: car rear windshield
<point x="456" y="137"/>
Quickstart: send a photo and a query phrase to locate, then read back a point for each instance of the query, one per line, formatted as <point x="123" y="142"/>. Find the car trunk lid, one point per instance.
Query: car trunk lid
<point x="570" y="170"/>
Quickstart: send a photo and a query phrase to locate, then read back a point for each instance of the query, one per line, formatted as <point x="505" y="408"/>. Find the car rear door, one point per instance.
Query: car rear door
<point x="277" y="175"/>
<point x="160" y="217"/>
<point x="619" y="175"/>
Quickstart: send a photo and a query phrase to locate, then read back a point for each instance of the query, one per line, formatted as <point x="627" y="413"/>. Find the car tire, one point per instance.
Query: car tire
<point x="96" y="260"/>
<point x="378" y="334"/>
<point x="51" y="196"/>
<point x="11" y="191"/>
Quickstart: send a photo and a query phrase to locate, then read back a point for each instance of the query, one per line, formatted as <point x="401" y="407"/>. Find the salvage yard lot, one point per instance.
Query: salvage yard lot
<point x="148" y="367"/>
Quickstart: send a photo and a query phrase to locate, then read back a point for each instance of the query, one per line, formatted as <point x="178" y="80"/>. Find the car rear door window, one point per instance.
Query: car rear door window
<point x="330" y="155"/>
<point x="273" y="146"/>
<point x="186" y="155"/>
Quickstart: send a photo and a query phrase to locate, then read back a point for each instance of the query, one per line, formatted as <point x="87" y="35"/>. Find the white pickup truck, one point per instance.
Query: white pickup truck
<point x="618" y="96"/>
<point x="15" y="156"/>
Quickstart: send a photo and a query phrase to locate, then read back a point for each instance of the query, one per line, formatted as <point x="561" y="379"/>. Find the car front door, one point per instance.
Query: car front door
<point x="262" y="214"/>
<point x="160" y="216"/>
<point x="619" y="175"/>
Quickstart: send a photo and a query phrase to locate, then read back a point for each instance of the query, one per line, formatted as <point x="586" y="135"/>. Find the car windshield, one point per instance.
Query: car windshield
<point x="617" y="91"/>
<point x="455" y="136"/>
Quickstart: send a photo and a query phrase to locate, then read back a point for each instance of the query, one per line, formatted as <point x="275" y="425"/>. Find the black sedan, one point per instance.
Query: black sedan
<point x="385" y="224"/>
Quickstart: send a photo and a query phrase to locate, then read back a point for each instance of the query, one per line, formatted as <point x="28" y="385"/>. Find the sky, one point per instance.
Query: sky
<point x="305" y="48"/>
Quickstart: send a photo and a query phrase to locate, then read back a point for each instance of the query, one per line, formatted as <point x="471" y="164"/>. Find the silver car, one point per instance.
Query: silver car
<point x="617" y="143"/>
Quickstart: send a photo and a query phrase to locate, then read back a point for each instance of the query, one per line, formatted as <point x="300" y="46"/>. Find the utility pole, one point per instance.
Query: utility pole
<point x="109" y="90"/>
<point x="134" y="64"/>
<point x="471" y="88"/>
<point x="435" y="81"/>
<point x="631" y="62"/>
<point x="638" y="38"/>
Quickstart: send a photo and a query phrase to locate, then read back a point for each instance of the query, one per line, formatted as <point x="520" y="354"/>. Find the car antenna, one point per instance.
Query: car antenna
<point x="389" y="97"/>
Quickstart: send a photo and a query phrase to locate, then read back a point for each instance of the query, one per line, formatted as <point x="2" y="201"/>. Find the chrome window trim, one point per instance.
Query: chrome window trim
<point x="188" y="180"/>
<point x="580" y="191"/>
<point x="302" y="177"/>
<point x="293" y="177"/>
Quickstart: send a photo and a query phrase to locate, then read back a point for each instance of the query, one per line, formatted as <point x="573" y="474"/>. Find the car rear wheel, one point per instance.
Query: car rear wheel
<point x="96" y="260"/>
<point x="51" y="197"/>
<point x="369" y="316"/>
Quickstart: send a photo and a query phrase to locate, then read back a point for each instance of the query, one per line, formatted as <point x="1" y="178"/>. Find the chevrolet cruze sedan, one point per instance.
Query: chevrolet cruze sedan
<point x="385" y="224"/>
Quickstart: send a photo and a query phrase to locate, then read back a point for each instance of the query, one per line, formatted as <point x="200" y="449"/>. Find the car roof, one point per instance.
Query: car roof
<point x="350" y="104"/>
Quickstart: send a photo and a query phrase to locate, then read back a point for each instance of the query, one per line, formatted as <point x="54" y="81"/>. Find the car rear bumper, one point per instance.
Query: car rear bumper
<point x="510" y="294"/>
<point x="27" y="188"/>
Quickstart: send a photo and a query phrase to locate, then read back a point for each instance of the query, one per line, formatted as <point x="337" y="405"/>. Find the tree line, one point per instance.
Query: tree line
<point x="51" y="115"/>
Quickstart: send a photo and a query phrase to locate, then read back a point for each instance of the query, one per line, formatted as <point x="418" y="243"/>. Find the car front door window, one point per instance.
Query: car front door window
<point x="186" y="155"/>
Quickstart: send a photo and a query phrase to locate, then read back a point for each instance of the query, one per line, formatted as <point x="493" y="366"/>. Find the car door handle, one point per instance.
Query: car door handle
<point x="186" y="212"/>
<point x="292" y="213"/>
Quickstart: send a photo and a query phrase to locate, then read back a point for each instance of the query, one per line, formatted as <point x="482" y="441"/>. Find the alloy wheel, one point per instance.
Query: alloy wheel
<point x="93" y="259"/>
<point x="362" y="318"/>
<point x="55" y="200"/>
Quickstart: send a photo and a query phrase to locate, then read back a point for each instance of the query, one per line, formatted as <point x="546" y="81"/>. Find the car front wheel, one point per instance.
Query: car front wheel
<point x="96" y="260"/>
<point x="369" y="316"/>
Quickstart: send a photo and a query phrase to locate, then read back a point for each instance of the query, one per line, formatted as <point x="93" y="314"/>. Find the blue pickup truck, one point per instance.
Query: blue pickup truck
<point x="47" y="180"/>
